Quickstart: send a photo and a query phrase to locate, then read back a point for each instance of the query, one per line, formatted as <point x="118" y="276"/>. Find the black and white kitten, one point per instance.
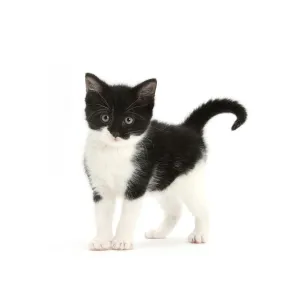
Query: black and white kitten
<point x="129" y="155"/>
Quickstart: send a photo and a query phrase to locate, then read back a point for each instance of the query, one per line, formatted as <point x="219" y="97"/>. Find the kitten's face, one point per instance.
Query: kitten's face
<point x="119" y="114"/>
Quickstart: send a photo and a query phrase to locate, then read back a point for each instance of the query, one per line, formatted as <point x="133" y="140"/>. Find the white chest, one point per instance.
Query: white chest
<point x="109" y="167"/>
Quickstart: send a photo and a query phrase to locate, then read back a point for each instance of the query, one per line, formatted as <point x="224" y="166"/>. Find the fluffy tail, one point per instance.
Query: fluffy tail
<point x="201" y="115"/>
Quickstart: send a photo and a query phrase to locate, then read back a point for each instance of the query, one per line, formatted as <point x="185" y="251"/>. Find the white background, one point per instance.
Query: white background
<point x="197" y="50"/>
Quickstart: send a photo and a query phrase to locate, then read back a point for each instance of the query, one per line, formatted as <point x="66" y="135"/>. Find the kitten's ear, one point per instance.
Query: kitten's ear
<point x="93" y="83"/>
<point x="146" y="90"/>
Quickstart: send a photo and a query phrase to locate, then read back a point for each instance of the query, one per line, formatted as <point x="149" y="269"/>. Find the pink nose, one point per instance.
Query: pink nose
<point x="116" y="139"/>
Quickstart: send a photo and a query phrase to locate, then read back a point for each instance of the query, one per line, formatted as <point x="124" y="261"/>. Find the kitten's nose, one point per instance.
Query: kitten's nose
<point x="115" y="134"/>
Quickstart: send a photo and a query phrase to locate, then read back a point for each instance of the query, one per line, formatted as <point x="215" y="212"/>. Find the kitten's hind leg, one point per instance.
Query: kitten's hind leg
<point x="196" y="204"/>
<point x="172" y="213"/>
<point x="200" y="233"/>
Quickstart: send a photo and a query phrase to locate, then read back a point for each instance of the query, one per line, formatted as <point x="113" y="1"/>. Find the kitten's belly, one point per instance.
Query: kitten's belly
<point x="110" y="169"/>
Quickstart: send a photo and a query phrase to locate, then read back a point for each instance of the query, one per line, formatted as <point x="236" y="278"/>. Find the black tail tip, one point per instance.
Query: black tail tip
<point x="237" y="124"/>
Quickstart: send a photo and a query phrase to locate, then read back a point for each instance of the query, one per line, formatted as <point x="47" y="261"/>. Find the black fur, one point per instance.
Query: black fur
<point x="201" y="115"/>
<point x="119" y="102"/>
<point x="166" y="151"/>
<point x="96" y="196"/>
<point x="87" y="172"/>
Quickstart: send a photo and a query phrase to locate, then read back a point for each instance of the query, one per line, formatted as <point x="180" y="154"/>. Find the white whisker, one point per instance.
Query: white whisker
<point x="136" y="131"/>
<point x="139" y="106"/>
<point x="132" y="104"/>
<point x="99" y="111"/>
<point x="101" y="98"/>
<point x="136" y="114"/>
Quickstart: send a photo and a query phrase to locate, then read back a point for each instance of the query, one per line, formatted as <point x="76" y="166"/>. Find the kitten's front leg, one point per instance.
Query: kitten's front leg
<point x="123" y="239"/>
<point x="132" y="205"/>
<point x="104" y="209"/>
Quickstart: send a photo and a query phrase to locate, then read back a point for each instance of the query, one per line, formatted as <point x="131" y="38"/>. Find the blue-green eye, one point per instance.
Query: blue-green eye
<point x="105" y="118"/>
<point x="129" y="120"/>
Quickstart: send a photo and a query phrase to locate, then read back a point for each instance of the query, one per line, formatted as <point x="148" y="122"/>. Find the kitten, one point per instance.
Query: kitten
<point x="129" y="155"/>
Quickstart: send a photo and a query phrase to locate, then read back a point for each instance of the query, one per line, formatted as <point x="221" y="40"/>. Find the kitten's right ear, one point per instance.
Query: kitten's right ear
<point x="146" y="90"/>
<point x="93" y="83"/>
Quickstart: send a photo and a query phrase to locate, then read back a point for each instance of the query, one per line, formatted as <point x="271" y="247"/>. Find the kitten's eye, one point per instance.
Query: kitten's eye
<point x="129" y="120"/>
<point x="105" y="118"/>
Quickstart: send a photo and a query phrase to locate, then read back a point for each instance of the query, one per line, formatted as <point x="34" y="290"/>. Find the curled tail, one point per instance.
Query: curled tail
<point x="201" y="115"/>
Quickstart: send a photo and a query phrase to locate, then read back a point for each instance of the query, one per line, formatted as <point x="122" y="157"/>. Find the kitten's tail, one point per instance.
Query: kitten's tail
<point x="201" y="115"/>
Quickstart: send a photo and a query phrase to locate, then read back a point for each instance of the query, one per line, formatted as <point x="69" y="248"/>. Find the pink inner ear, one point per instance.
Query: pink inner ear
<point x="93" y="83"/>
<point x="147" y="89"/>
<point x="90" y="86"/>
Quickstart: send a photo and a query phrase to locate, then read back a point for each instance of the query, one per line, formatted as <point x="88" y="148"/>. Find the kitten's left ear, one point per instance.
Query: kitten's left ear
<point x="146" y="90"/>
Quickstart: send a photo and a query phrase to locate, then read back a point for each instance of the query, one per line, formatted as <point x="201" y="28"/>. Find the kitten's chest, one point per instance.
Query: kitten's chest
<point x="109" y="167"/>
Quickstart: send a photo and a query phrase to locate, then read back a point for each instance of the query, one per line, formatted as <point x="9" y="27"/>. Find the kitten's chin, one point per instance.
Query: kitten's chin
<point x="103" y="136"/>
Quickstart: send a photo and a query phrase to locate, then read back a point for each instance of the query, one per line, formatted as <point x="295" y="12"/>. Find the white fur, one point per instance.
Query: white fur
<point x="188" y="189"/>
<point x="104" y="210"/>
<point x="124" y="235"/>
<point x="109" y="162"/>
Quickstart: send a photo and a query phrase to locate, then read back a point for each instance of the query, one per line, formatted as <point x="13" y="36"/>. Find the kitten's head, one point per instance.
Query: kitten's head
<point x="118" y="114"/>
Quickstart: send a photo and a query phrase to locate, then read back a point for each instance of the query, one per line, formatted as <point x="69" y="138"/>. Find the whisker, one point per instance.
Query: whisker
<point x="104" y="100"/>
<point x="101" y="97"/>
<point x="136" y="114"/>
<point x="159" y="129"/>
<point x="99" y="111"/>
<point x="132" y="104"/>
<point x="138" y="106"/>
<point x="101" y="105"/>
<point x="136" y="131"/>
<point x="92" y="115"/>
<point x="97" y="104"/>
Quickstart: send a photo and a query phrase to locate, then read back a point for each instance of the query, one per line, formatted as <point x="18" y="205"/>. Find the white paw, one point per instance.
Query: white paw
<point x="154" y="234"/>
<point x="98" y="244"/>
<point x="121" y="245"/>
<point x="197" y="238"/>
